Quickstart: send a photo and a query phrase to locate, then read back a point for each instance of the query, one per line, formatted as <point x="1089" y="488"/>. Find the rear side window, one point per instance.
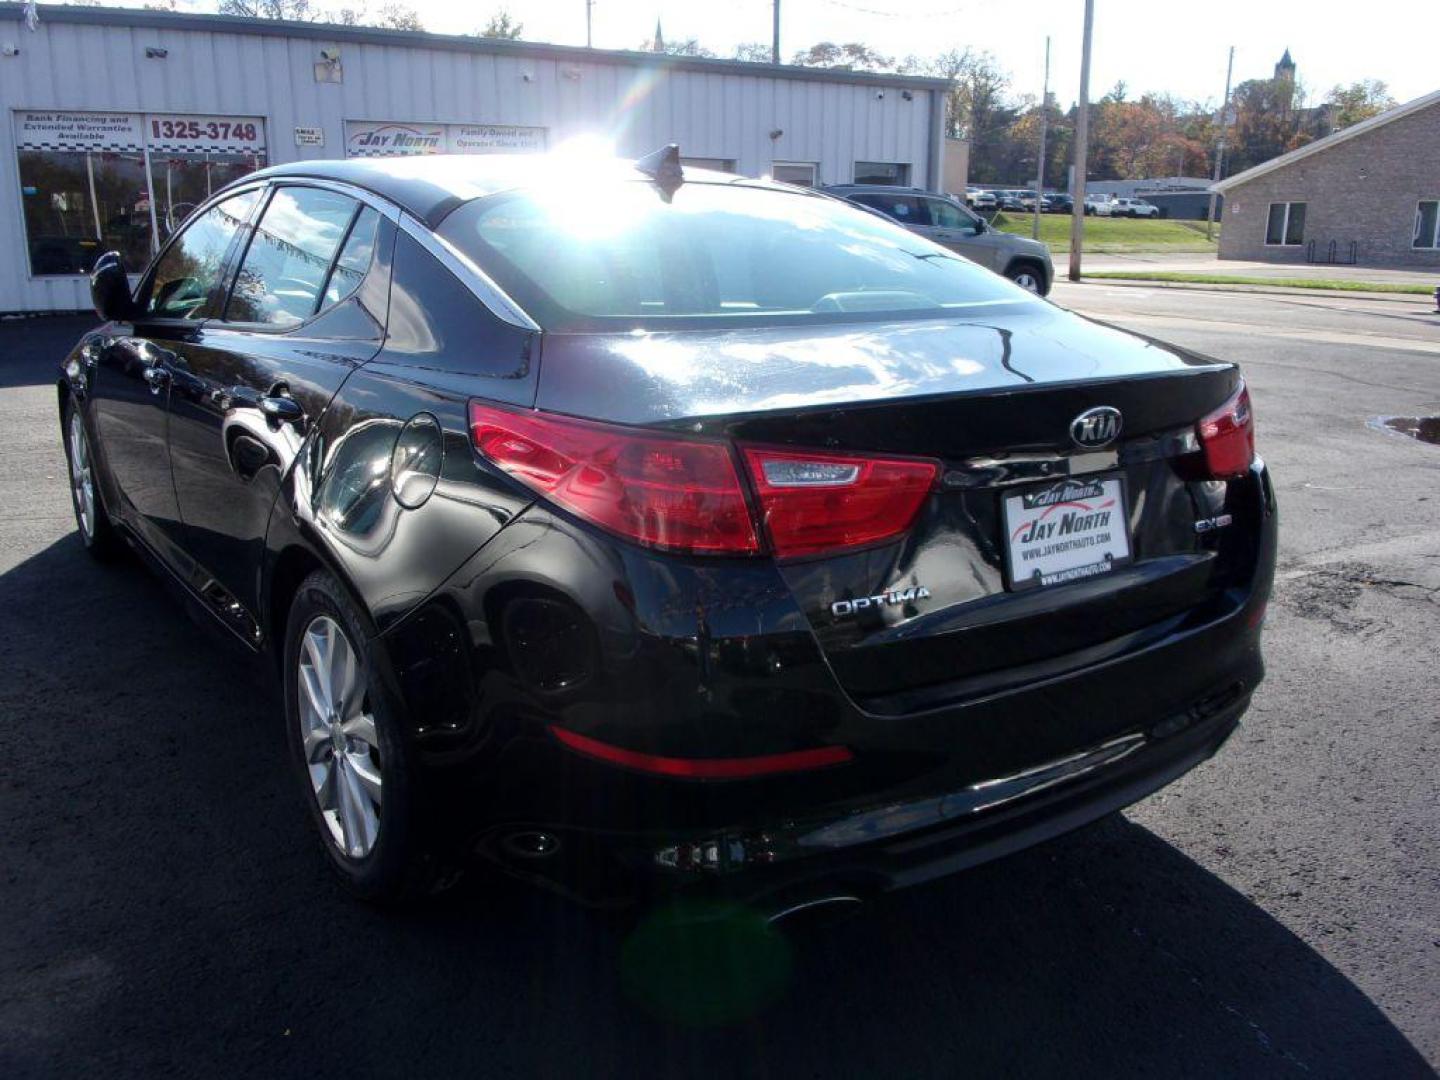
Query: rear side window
<point x="289" y="258"/>
<point x="354" y="260"/>
<point x="189" y="270"/>
<point x="905" y="209"/>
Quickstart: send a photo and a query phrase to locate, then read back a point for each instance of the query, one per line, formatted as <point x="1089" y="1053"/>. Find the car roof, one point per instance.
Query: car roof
<point x="430" y="186"/>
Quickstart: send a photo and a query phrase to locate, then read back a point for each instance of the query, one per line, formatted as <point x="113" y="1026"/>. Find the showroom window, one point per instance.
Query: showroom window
<point x="714" y="163"/>
<point x="882" y="172"/>
<point x="800" y="173"/>
<point x="1286" y="224"/>
<point x="97" y="182"/>
<point x="1427" y="224"/>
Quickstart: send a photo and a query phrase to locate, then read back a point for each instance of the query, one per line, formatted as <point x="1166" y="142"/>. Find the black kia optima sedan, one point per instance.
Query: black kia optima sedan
<point x="641" y="530"/>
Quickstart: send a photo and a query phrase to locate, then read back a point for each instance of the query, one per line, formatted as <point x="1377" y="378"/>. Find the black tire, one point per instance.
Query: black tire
<point x="398" y="867"/>
<point x="1024" y="273"/>
<point x="101" y="539"/>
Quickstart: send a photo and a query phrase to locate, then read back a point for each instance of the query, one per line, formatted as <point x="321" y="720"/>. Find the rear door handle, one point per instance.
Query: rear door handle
<point x="155" y="377"/>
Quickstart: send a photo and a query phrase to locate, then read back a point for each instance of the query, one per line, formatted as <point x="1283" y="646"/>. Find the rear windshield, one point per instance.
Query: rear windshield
<point x="619" y="253"/>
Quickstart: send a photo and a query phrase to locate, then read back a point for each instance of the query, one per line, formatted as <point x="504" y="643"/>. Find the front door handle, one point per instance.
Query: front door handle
<point x="279" y="409"/>
<point x="155" y="377"/>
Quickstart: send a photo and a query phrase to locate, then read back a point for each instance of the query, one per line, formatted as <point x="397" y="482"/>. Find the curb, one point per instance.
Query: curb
<point x="1273" y="290"/>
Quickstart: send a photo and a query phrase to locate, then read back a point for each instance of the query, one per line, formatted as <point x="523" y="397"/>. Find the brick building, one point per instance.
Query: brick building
<point x="1372" y="189"/>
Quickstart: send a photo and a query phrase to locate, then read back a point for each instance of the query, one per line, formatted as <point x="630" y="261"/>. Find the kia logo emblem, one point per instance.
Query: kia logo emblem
<point x="1096" y="427"/>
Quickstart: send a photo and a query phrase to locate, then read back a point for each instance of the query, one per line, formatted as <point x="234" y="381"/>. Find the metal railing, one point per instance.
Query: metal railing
<point x="1333" y="253"/>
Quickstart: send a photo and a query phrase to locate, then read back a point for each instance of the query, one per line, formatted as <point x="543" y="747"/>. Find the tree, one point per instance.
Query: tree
<point x="752" y="52"/>
<point x="975" y="109"/>
<point x="501" y="25"/>
<point x="852" y="56"/>
<point x="283" y="10"/>
<point x="399" y="17"/>
<point x="688" y="47"/>
<point x="1270" y="120"/>
<point x="1358" y="101"/>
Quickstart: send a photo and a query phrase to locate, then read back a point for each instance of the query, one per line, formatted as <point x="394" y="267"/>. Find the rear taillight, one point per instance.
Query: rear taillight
<point x="685" y="494"/>
<point x="679" y="494"/>
<point x="812" y="503"/>
<point x="1227" y="436"/>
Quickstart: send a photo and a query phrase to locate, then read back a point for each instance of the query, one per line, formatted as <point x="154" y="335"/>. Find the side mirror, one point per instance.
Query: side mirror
<point x="110" y="289"/>
<point x="980" y="226"/>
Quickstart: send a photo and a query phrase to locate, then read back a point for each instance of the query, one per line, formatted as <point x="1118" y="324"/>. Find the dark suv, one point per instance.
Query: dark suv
<point x="945" y="221"/>
<point x="672" y="529"/>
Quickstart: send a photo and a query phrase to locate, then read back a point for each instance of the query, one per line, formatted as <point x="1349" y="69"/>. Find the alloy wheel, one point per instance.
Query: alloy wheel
<point x="1027" y="281"/>
<point x="338" y="737"/>
<point x="82" y="480"/>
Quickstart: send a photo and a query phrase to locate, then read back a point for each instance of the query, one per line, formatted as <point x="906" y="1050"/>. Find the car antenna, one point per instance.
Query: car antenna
<point x="663" y="168"/>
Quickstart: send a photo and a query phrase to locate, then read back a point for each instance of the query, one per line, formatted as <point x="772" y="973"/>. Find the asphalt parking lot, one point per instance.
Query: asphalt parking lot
<point x="1276" y="912"/>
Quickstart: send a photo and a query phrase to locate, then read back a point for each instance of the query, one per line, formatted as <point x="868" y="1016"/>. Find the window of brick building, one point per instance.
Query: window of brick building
<point x="1427" y="224"/>
<point x="1286" y="224"/>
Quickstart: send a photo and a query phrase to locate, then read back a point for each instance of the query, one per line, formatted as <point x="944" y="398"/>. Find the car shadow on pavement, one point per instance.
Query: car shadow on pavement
<point x="169" y="911"/>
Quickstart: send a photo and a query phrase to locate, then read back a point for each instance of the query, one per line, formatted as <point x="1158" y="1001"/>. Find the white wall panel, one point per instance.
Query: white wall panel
<point x="710" y="113"/>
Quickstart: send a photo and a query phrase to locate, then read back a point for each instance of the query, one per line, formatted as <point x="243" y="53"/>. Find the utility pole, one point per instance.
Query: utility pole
<point x="1220" y="144"/>
<point x="589" y="40"/>
<point x="1082" y="140"/>
<point x="1044" y="123"/>
<point x="775" y="40"/>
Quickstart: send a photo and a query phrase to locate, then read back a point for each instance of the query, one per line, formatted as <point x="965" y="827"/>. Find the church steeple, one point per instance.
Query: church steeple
<point x="659" y="43"/>
<point x="1285" y="69"/>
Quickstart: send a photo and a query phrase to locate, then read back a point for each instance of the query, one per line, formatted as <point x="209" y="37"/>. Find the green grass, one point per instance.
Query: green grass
<point x="1114" y="235"/>
<point x="1336" y="284"/>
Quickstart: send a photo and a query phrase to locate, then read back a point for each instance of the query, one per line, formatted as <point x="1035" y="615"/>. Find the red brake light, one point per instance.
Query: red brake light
<point x="682" y="494"/>
<point x="826" y="502"/>
<point x="704" y="768"/>
<point x="1227" y="436"/>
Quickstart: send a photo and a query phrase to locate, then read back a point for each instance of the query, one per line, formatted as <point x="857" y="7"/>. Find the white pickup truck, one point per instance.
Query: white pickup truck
<point x="1132" y="208"/>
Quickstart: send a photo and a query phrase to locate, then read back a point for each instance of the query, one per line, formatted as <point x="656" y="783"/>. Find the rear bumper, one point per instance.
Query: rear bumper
<point x="942" y="785"/>
<point x="891" y="843"/>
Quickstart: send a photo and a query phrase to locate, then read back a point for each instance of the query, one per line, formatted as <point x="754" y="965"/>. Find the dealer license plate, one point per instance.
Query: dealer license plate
<point x="1065" y="531"/>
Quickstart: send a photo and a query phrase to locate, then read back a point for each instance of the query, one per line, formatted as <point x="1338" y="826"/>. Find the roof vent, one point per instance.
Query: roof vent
<point x="663" y="168"/>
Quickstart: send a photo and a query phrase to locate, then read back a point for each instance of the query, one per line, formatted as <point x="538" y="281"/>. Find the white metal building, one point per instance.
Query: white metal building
<point x="120" y="121"/>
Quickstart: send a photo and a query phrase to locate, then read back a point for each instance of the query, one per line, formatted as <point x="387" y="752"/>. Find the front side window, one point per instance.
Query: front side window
<point x="620" y="253"/>
<point x="187" y="275"/>
<point x="1285" y="224"/>
<point x="1427" y="224"/>
<point x="946" y="215"/>
<point x="882" y="172"/>
<point x="288" y="261"/>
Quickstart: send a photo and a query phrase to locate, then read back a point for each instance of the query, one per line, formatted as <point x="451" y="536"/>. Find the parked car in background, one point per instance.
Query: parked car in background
<point x="981" y="200"/>
<point x="662" y="531"/>
<point x="1099" y="205"/>
<point x="1009" y="200"/>
<point x="1027" y="199"/>
<point x="1059" y="203"/>
<point x="943" y="220"/>
<point x="1135" y="208"/>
